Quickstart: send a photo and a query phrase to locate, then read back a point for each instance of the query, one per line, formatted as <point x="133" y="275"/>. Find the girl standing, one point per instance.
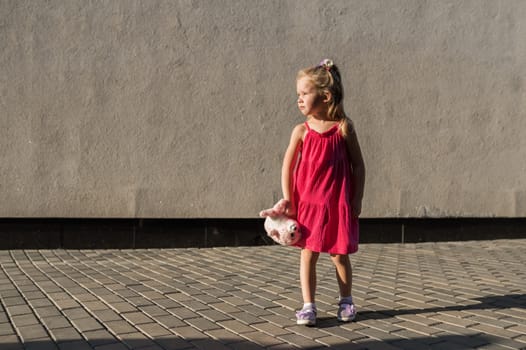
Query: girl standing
<point x="323" y="178"/>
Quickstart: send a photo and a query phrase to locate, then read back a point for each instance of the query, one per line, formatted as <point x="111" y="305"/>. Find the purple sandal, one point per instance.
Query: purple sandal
<point x="306" y="317"/>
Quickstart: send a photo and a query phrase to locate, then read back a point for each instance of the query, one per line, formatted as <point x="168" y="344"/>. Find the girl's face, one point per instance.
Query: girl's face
<point x="309" y="101"/>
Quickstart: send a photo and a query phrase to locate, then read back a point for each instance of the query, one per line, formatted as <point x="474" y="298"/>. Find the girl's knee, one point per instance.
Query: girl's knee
<point x="340" y="259"/>
<point x="309" y="255"/>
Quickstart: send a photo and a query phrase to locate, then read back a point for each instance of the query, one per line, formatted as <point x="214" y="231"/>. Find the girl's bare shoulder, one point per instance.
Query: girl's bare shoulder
<point x="299" y="131"/>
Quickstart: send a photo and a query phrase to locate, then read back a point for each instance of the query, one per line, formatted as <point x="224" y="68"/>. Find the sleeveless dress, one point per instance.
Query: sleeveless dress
<point x="323" y="192"/>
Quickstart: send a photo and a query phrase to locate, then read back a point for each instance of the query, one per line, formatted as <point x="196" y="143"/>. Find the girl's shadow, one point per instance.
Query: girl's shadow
<point x="331" y="321"/>
<point x="489" y="302"/>
<point x="482" y="303"/>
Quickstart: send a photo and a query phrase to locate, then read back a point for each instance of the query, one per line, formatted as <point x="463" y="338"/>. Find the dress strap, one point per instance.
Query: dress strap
<point x="307" y="125"/>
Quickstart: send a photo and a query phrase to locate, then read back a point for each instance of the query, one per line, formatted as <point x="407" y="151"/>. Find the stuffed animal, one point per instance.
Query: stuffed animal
<point x="279" y="227"/>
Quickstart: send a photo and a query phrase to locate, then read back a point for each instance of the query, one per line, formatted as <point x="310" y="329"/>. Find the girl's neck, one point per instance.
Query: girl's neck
<point x="320" y="119"/>
<point x="321" y="125"/>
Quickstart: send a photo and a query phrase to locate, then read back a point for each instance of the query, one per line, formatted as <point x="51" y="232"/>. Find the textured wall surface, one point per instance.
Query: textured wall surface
<point x="184" y="108"/>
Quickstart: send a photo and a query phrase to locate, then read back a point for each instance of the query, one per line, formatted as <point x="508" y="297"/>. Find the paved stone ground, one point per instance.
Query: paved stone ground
<point x="459" y="295"/>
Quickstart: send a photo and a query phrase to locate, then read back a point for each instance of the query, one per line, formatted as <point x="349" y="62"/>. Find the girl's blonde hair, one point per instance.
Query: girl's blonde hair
<point x="326" y="78"/>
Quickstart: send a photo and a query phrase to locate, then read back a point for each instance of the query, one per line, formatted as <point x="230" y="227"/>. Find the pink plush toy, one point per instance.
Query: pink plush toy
<point x="279" y="227"/>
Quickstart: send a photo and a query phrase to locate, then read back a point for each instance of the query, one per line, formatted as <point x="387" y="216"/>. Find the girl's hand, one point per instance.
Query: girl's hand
<point x="356" y="207"/>
<point x="290" y="210"/>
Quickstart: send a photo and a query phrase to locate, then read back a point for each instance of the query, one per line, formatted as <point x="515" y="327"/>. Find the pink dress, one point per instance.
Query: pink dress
<point x="323" y="192"/>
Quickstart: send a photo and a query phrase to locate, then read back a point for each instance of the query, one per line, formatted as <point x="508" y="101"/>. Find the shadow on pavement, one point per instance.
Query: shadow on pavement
<point x="490" y="302"/>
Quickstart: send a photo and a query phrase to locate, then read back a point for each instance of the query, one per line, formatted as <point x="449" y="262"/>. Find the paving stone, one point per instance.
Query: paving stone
<point x="518" y="328"/>
<point x="112" y="299"/>
<point x="153" y="295"/>
<point x="412" y="326"/>
<point x="194" y="305"/>
<point x="179" y="297"/>
<point x="235" y="326"/>
<point x="307" y="332"/>
<point x="24" y="320"/>
<point x="299" y="341"/>
<point x="6" y="329"/>
<point x="246" y="318"/>
<point x="139" y="301"/>
<point x="167" y="303"/>
<point x="28" y="333"/>
<point x="225" y="336"/>
<point x="183" y="313"/>
<point x="376" y="345"/>
<point x="225" y="307"/>
<point x="332" y="341"/>
<point x="44" y="302"/>
<point x="13" y="301"/>
<point x="279" y="320"/>
<point x="289" y="313"/>
<point x="67" y="304"/>
<point x="153" y="330"/>
<point x="93" y="306"/>
<point x="107" y="315"/>
<point x="99" y="337"/>
<point x="120" y="327"/>
<point x="205" y="298"/>
<point x="457" y="321"/>
<point x="10" y="342"/>
<point x="189" y="333"/>
<point x="471" y="342"/>
<point x="419" y="319"/>
<point x="522" y="339"/>
<point x="169" y="321"/>
<point x="214" y="315"/>
<point x="202" y="324"/>
<point x="53" y="322"/>
<point x="510" y="343"/>
<point x="76" y="313"/>
<point x="492" y="330"/>
<point x="235" y="301"/>
<point x="87" y="299"/>
<point x="136" y="318"/>
<point x="18" y="310"/>
<point x="86" y="324"/>
<point x="136" y="340"/>
<point x="377" y="334"/>
<point x="270" y="329"/>
<point x="153" y="311"/>
<point x="66" y="334"/>
<point x="173" y="343"/>
<point x="59" y="296"/>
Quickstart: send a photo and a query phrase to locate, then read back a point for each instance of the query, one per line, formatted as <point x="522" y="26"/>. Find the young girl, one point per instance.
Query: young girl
<point x="323" y="178"/>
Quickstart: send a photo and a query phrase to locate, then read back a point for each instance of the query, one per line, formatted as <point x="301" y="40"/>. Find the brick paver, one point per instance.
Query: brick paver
<point x="456" y="295"/>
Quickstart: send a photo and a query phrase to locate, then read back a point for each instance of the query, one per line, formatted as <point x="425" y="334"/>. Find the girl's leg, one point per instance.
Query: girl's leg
<point x="346" y="310"/>
<point x="343" y="273"/>
<point x="307" y="315"/>
<point x="308" y="274"/>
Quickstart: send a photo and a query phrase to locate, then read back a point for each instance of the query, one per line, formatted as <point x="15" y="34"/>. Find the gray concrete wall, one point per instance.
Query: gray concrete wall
<point x="184" y="108"/>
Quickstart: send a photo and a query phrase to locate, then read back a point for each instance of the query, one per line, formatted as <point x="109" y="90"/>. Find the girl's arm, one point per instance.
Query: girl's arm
<point x="289" y="162"/>
<point x="358" y="170"/>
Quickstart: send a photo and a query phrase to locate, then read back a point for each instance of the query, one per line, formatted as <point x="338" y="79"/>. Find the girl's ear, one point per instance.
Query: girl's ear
<point x="327" y="96"/>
